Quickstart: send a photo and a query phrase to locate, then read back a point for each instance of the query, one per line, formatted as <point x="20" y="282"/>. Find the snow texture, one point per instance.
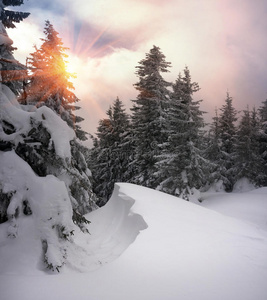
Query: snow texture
<point x="47" y="198"/>
<point x="184" y="251"/>
<point x="4" y="39"/>
<point x="10" y="111"/>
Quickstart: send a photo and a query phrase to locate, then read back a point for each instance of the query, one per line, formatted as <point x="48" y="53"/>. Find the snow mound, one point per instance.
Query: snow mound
<point x="114" y="227"/>
<point x="186" y="252"/>
<point x="243" y="185"/>
<point x="46" y="197"/>
<point x="248" y="206"/>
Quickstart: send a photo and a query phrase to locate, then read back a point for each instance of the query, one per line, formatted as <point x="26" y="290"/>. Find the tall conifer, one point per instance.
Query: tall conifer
<point x="227" y="132"/>
<point x="50" y="83"/>
<point x="248" y="162"/>
<point x="182" y="165"/>
<point x="13" y="73"/>
<point x="263" y="136"/>
<point x="109" y="157"/>
<point x="149" y="115"/>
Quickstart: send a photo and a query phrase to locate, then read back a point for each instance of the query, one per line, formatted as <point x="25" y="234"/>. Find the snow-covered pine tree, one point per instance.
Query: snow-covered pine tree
<point x="12" y="72"/>
<point x="34" y="145"/>
<point x="8" y="17"/>
<point x="213" y="152"/>
<point x="227" y="132"/>
<point x="182" y="166"/>
<point x="248" y="162"/>
<point x="213" y="140"/>
<point x="149" y="115"/>
<point x="122" y="132"/>
<point x="50" y="83"/>
<point x="109" y="156"/>
<point x="50" y="86"/>
<point x="263" y="137"/>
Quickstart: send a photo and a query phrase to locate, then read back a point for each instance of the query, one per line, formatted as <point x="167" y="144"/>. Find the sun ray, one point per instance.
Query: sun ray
<point x="104" y="47"/>
<point x="95" y="40"/>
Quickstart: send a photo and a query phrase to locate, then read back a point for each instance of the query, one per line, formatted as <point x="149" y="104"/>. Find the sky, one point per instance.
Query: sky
<point x="223" y="43"/>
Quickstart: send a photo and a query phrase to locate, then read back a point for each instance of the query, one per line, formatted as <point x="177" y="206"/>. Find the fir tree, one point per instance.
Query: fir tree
<point x="182" y="165"/>
<point x="56" y="168"/>
<point x="12" y="72"/>
<point x="227" y="132"/>
<point x="109" y="157"/>
<point x="214" y="152"/>
<point x="248" y="162"/>
<point x="213" y="139"/>
<point x="149" y="115"/>
<point x="263" y="137"/>
<point x="50" y="83"/>
<point x="8" y="17"/>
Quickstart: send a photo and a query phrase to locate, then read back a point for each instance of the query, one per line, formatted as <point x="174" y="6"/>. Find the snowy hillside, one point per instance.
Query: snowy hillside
<point x="147" y="245"/>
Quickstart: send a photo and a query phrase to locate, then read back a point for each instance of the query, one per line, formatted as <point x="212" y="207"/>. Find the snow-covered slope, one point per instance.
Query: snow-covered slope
<point x="250" y="206"/>
<point x="146" y="245"/>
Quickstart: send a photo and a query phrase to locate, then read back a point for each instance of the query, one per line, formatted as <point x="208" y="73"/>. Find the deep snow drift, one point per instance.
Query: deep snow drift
<point x="147" y="245"/>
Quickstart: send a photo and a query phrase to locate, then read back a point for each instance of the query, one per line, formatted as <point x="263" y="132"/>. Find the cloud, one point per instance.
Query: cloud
<point x="24" y="37"/>
<point x="223" y="43"/>
<point x="101" y="80"/>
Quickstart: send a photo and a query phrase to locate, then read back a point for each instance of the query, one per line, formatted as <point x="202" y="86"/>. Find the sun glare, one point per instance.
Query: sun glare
<point x="72" y="64"/>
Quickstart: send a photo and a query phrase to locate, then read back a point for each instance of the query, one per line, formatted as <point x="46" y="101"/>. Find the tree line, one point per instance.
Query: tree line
<point x="164" y="143"/>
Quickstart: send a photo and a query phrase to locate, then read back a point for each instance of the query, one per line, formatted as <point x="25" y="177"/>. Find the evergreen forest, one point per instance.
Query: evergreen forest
<point x="164" y="142"/>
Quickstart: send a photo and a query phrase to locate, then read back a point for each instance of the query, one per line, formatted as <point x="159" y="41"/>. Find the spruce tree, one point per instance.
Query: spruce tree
<point x="182" y="165"/>
<point x="214" y="154"/>
<point x="109" y="156"/>
<point x="149" y="115"/>
<point x="263" y="137"/>
<point x="8" y="17"/>
<point x="248" y="162"/>
<point x="50" y="86"/>
<point x="227" y="133"/>
<point x="50" y="83"/>
<point x="41" y="172"/>
<point x="13" y="73"/>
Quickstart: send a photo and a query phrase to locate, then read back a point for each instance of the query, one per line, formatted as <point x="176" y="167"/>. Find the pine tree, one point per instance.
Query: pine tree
<point x="215" y="154"/>
<point x="9" y="17"/>
<point x="182" y="164"/>
<point x="212" y="140"/>
<point x="263" y="137"/>
<point x="248" y="161"/>
<point x="149" y="115"/>
<point x="227" y="132"/>
<point x="12" y="72"/>
<point x="109" y="156"/>
<point x="50" y="83"/>
<point x="50" y="86"/>
<point x="43" y="172"/>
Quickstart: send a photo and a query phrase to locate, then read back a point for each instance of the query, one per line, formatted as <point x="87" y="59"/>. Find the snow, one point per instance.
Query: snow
<point x="61" y="133"/>
<point x="11" y="111"/>
<point x="243" y="185"/>
<point x="48" y="199"/>
<point x="4" y="39"/>
<point x="249" y="207"/>
<point x="147" y="245"/>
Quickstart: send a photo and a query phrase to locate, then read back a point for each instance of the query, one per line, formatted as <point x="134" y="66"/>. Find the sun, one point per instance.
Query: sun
<point x="72" y="63"/>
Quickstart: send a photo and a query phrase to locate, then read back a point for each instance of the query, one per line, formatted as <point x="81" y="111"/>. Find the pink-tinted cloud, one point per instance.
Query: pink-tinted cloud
<point x="223" y="43"/>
